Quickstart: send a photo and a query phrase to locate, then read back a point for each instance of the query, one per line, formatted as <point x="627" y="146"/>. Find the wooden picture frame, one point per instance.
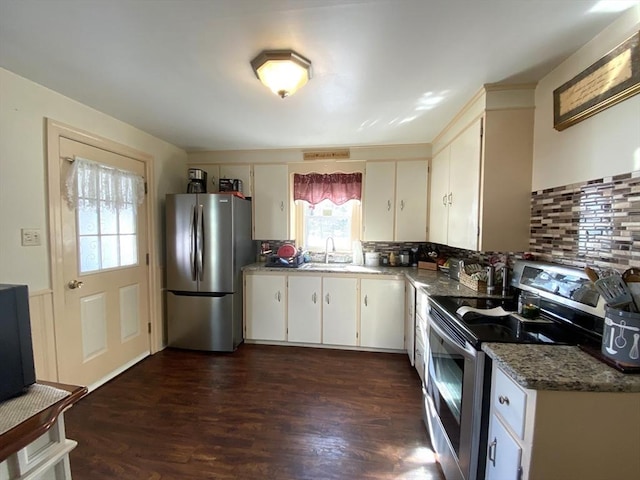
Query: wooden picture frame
<point x="610" y="80"/>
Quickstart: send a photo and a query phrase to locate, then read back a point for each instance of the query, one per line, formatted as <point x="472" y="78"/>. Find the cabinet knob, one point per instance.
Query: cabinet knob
<point x="327" y="298"/>
<point x="503" y="400"/>
<point x="388" y="205"/>
<point x="314" y="297"/>
<point x="401" y="205"/>
<point x="450" y="197"/>
<point x="366" y="301"/>
<point x="278" y="296"/>
<point x="282" y="206"/>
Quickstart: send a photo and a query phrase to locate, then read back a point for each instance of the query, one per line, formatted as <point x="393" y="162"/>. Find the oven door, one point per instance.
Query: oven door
<point x="454" y="399"/>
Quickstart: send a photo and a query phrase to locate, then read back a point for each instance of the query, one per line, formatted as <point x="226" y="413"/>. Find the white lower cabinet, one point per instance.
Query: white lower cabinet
<point x="410" y="321"/>
<point x="556" y="434"/>
<point x="339" y="311"/>
<point x="336" y="310"/>
<point x="504" y="455"/>
<point x="304" y="309"/>
<point x="265" y="300"/>
<point x="382" y="313"/>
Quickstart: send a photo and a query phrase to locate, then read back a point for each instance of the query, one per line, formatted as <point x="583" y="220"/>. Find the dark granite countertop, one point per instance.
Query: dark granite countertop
<point x="555" y="367"/>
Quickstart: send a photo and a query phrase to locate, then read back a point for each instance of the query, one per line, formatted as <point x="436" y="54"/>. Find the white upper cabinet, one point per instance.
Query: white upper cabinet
<point x="480" y="189"/>
<point x="438" y="199"/>
<point x="395" y="201"/>
<point x="464" y="188"/>
<point x="411" y="201"/>
<point x="379" y="201"/>
<point x="241" y="172"/>
<point x="271" y="202"/>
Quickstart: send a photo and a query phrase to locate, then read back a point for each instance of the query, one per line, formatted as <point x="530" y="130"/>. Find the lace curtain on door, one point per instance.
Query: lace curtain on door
<point x="92" y="182"/>
<point x="105" y="200"/>
<point x="337" y="187"/>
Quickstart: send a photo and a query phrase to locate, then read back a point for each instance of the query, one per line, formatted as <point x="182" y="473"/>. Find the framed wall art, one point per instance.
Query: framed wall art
<point x="610" y="80"/>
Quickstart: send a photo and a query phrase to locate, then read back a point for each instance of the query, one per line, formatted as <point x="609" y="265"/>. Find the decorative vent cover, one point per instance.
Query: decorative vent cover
<point x="341" y="154"/>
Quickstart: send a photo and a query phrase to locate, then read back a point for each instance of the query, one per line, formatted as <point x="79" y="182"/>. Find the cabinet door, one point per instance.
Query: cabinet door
<point x="382" y="313"/>
<point x="411" y="201"/>
<point x="339" y="311"/>
<point x="271" y="202"/>
<point x="378" y="203"/>
<point x="241" y="172"/>
<point x="265" y="299"/>
<point x="464" y="183"/>
<point x="504" y="453"/>
<point x="438" y="197"/>
<point x="410" y="321"/>
<point x="304" y="300"/>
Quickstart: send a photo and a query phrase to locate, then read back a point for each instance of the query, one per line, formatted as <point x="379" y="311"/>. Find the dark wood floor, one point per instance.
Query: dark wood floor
<point x="263" y="412"/>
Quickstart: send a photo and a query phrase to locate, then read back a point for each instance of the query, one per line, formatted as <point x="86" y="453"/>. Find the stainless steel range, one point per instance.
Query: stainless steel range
<point x="458" y="373"/>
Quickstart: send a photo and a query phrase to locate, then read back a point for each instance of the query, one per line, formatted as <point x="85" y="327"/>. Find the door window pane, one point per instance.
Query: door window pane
<point x="107" y="236"/>
<point x="89" y="253"/>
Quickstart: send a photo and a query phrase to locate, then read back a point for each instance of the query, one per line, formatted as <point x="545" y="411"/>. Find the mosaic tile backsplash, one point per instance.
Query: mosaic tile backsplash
<point x="590" y="223"/>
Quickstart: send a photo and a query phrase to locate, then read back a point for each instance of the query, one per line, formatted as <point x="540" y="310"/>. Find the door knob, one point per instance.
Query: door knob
<point x="75" y="284"/>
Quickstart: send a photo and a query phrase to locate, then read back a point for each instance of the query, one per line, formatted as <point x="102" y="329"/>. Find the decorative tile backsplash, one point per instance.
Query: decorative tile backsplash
<point x="589" y="223"/>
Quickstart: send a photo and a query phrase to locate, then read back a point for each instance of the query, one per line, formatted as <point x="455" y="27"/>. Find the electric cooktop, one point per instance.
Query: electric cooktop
<point x="476" y="327"/>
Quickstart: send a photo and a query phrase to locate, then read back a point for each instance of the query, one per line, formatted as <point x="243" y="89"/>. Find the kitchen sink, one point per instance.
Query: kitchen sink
<point x="337" y="267"/>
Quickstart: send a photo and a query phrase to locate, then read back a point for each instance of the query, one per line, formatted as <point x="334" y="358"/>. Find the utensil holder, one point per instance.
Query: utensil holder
<point x="621" y="336"/>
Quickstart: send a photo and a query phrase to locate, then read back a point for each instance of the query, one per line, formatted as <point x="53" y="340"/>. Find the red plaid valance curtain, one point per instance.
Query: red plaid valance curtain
<point x="337" y="187"/>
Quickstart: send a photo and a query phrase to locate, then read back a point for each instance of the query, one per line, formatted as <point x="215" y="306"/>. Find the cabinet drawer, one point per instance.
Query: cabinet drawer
<point x="510" y="401"/>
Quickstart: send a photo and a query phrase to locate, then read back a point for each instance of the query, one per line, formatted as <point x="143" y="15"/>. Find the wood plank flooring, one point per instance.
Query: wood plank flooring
<point x="263" y="412"/>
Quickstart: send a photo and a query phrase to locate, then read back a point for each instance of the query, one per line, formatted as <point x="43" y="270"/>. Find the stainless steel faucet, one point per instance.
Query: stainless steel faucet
<point x="326" y="249"/>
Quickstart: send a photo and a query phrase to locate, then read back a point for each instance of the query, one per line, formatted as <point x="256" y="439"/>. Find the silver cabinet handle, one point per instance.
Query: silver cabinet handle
<point x="327" y="298"/>
<point x="314" y="298"/>
<point x="282" y="206"/>
<point x="503" y="400"/>
<point x="450" y="198"/>
<point x="278" y="296"/>
<point x="492" y="451"/>
<point x="444" y="200"/>
<point x="366" y="301"/>
<point x="73" y="284"/>
<point x="388" y="205"/>
<point x="401" y="205"/>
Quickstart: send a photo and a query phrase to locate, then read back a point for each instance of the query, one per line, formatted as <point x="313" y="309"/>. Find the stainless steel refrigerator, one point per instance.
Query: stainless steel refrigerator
<point x="208" y="241"/>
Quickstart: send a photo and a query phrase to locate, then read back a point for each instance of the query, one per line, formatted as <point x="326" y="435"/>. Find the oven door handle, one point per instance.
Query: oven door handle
<point x="466" y="350"/>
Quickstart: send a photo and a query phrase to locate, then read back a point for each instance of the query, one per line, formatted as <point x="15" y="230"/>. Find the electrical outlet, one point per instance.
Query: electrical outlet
<point x="31" y="237"/>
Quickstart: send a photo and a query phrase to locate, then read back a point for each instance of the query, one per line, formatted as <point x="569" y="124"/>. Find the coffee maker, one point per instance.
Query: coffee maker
<point x="197" y="181"/>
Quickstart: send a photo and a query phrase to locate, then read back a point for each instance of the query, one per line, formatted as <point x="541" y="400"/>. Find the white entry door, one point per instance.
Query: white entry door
<point x="104" y="328"/>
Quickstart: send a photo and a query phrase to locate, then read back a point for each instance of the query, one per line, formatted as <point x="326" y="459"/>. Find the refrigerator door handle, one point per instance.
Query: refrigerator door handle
<point x="200" y="242"/>
<point x="193" y="246"/>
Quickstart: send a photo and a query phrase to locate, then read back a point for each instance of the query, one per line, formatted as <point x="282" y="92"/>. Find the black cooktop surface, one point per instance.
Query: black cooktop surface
<point x="510" y="328"/>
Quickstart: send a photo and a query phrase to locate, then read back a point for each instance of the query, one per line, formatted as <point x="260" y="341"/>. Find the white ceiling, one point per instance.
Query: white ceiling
<point x="385" y="71"/>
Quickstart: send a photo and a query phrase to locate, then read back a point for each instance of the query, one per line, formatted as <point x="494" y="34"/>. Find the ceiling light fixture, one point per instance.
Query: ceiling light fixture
<point x="282" y="71"/>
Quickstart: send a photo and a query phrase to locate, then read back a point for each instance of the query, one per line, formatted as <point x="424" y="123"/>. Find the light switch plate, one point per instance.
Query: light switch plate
<point x="31" y="237"/>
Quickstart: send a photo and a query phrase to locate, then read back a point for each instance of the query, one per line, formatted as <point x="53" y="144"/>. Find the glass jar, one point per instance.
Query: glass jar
<point x="529" y="305"/>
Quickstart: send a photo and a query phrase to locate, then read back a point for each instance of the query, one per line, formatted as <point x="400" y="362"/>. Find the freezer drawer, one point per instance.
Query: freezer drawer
<point x="207" y="323"/>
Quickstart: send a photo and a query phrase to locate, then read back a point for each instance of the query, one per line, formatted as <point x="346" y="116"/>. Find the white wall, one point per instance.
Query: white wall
<point x="24" y="105"/>
<point x="605" y="144"/>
